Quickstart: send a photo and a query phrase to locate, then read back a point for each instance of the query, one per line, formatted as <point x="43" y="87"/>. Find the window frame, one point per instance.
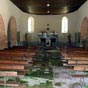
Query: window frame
<point x="30" y="25"/>
<point x="64" y="25"/>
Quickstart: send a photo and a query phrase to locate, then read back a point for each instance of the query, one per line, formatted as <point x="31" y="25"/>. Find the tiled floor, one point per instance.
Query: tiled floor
<point x="61" y="79"/>
<point x="64" y="77"/>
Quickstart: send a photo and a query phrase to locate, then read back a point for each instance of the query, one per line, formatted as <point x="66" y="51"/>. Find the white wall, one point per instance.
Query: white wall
<point x="8" y="9"/>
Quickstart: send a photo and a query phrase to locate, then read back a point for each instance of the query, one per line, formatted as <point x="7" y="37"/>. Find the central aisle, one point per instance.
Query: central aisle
<point x="62" y="78"/>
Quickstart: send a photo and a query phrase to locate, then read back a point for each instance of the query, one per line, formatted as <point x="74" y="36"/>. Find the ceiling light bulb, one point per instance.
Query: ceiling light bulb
<point x="48" y="4"/>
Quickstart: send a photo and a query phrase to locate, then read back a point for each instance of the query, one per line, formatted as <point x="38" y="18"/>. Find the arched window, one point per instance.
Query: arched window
<point x="30" y="24"/>
<point x="64" y="25"/>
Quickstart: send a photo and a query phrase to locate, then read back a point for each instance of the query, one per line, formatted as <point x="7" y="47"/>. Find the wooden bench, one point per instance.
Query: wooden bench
<point x="11" y="67"/>
<point x="8" y="74"/>
<point x="16" y="59"/>
<point x="18" y="54"/>
<point x="22" y="49"/>
<point x="77" y="62"/>
<point x="76" y="67"/>
<point x="15" y="62"/>
<point x="76" y="58"/>
<point x="68" y="50"/>
<point x="81" y="67"/>
<point x="84" y="58"/>
<point x="11" y="84"/>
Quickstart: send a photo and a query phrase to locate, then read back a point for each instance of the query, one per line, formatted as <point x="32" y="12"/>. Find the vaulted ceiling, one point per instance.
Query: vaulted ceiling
<point x="48" y="7"/>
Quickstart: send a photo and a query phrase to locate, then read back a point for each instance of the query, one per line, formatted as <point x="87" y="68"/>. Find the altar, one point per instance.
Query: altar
<point x="49" y="39"/>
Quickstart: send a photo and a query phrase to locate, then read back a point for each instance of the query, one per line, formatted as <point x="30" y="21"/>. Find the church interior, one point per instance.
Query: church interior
<point x="43" y="44"/>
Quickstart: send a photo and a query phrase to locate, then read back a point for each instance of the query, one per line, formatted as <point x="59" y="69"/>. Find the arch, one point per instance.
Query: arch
<point x="12" y="32"/>
<point x="84" y="32"/>
<point x="84" y="29"/>
<point x="3" y="38"/>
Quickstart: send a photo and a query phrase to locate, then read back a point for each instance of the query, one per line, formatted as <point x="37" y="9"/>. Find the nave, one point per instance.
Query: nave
<point x="49" y="50"/>
<point x="32" y="67"/>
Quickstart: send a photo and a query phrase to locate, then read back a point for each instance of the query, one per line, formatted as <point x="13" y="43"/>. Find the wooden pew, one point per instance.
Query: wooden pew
<point x="19" y="68"/>
<point x="74" y="62"/>
<point x="8" y="74"/>
<point x="75" y="59"/>
<point x="11" y="67"/>
<point x="15" y="62"/>
<point x="80" y="58"/>
<point x="23" y="49"/>
<point x="68" y="50"/>
<point x="10" y="84"/>
<point x="18" y="54"/>
<point x="16" y="59"/>
<point x="81" y="67"/>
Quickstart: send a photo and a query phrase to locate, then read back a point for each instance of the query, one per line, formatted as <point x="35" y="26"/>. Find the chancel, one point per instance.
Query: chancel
<point x="43" y="43"/>
<point x="48" y="39"/>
